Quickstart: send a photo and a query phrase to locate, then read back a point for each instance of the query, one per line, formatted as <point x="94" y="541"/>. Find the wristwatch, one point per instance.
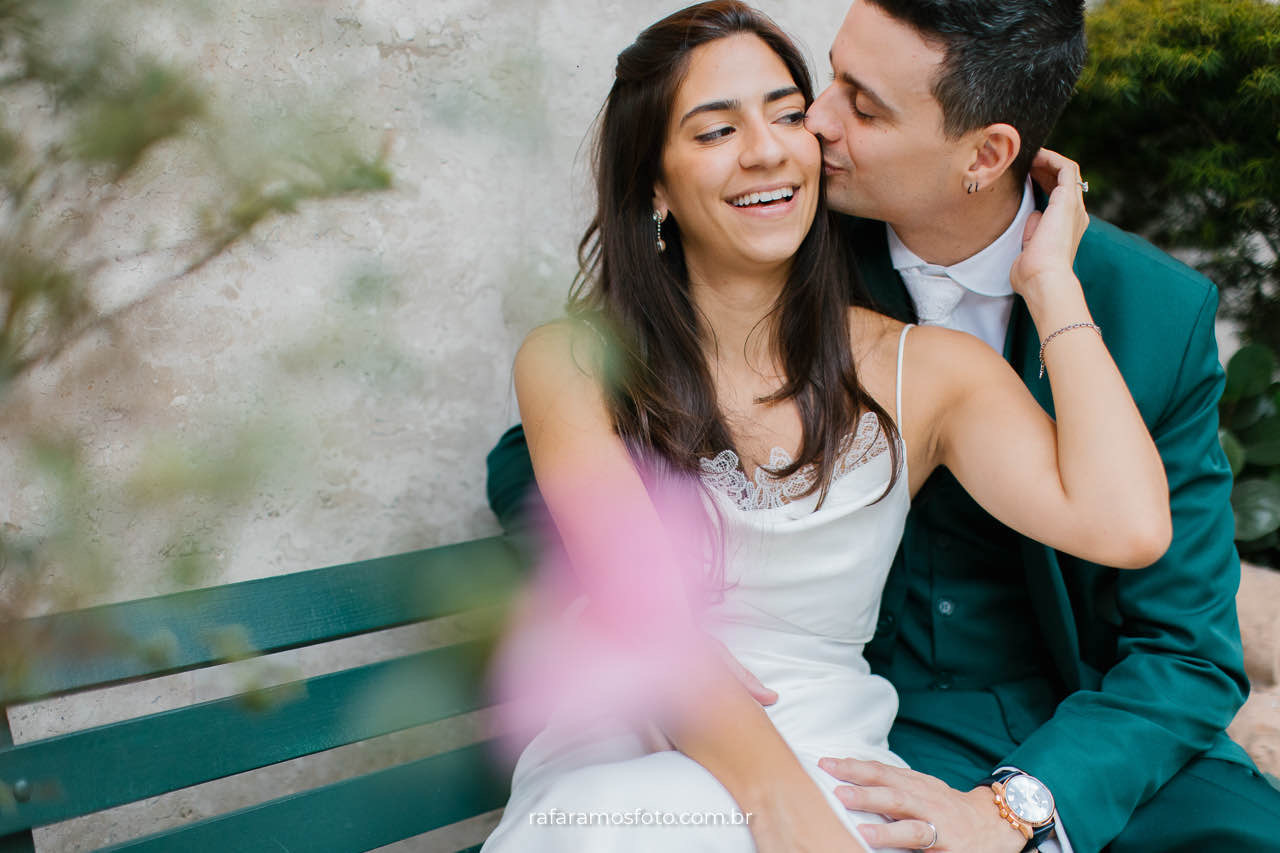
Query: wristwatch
<point x="1025" y="802"/>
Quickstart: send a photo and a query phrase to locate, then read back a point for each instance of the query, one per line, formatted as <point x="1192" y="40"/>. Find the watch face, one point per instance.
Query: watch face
<point x="1029" y="799"/>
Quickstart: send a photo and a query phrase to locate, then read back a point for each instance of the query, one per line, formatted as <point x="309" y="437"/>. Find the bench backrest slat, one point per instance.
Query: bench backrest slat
<point x="172" y="633"/>
<point x="356" y="814"/>
<point x="86" y="771"/>
<point x="82" y="772"/>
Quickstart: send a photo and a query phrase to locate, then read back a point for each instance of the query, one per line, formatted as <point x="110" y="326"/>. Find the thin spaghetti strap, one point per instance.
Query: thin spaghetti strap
<point x="902" y="344"/>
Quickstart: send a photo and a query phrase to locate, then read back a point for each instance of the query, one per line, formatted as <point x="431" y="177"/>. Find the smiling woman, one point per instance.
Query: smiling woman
<point x="703" y="133"/>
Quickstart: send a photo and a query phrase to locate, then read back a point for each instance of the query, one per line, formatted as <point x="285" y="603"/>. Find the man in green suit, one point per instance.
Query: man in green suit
<point x="1021" y="669"/>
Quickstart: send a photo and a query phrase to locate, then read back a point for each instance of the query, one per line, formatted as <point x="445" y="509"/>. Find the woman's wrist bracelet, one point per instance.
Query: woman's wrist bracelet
<point x="1093" y="326"/>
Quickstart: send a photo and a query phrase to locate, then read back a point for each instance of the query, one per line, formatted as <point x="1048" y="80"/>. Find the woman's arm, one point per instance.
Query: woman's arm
<point x="629" y="567"/>
<point x="1092" y="484"/>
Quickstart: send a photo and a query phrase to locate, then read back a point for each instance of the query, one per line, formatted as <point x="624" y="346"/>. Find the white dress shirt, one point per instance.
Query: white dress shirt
<point x="985" y="300"/>
<point x="973" y="296"/>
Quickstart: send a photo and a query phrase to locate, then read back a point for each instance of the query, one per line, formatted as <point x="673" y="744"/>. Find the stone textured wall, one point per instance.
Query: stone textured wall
<point x="385" y="398"/>
<point x="365" y="344"/>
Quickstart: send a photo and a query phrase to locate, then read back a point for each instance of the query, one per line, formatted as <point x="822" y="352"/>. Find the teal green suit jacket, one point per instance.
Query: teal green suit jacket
<point x="1150" y="660"/>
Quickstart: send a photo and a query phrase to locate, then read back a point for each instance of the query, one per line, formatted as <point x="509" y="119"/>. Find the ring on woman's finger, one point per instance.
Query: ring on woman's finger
<point x="1084" y="185"/>
<point x="935" y="836"/>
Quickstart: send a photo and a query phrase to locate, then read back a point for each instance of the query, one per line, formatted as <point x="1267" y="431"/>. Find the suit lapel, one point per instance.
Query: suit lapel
<point x="881" y="281"/>
<point x="1049" y="598"/>
<point x="887" y="294"/>
<point x="1022" y="351"/>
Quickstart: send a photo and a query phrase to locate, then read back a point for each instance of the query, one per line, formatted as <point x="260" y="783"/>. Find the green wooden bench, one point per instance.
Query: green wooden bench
<point x="78" y="773"/>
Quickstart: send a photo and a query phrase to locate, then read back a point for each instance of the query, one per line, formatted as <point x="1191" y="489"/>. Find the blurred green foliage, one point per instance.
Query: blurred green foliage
<point x="90" y="124"/>
<point x="1176" y="124"/>
<point x="151" y="104"/>
<point x="82" y="113"/>
<point x="1250" y="413"/>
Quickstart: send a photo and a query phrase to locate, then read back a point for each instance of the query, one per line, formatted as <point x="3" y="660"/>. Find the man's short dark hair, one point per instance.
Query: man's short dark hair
<point x="1011" y="61"/>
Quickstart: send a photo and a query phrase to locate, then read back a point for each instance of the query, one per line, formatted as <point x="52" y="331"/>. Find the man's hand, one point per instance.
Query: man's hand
<point x="966" y="822"/>
<point x="1051" y="239"/>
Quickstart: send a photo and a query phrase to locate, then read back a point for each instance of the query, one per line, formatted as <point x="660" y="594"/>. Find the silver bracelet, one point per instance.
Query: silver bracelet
<point x="1093" y="326"/>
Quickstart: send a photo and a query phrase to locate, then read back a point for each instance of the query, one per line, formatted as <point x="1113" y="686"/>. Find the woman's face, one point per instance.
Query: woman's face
<point x="740" y="174"/>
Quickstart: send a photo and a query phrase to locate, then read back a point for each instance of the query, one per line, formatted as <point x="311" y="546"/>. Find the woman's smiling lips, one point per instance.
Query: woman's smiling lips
<point x="772" y="201"/>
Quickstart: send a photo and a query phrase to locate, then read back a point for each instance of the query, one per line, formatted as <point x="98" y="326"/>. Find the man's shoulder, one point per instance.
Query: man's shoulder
<point x="1156" y="312"/>
<point x="1118" y="267"/>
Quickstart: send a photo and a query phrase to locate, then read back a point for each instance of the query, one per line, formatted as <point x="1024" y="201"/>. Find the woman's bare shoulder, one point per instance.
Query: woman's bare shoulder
<point x="562" y="348"/>
<point x="940" y="361"/>
<point x="944" y="366"/>
<point x="558" y="372"/>
<point x="872" y="331"/>
<point x="948" y="352"/>
<point x="867" y="325"/>
<point x="873" y="336"/>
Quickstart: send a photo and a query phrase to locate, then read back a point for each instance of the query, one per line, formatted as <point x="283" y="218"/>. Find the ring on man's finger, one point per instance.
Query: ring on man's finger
<point x="1084" y="185"/>
<point x="935" y="836"/>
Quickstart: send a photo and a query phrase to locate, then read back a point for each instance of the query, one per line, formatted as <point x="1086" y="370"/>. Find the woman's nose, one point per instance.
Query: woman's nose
<point x="763" y="149"/>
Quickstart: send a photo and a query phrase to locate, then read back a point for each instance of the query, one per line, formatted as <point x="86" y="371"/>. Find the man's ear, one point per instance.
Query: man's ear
<point x="995" y="147"/>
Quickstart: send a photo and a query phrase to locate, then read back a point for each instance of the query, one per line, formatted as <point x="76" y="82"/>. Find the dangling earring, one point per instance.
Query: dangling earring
<point x="973" y="188"/>
<point x="657" y="219"/>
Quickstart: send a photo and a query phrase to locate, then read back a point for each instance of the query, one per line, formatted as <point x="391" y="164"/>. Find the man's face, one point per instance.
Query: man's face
<point x="884" y="151"/>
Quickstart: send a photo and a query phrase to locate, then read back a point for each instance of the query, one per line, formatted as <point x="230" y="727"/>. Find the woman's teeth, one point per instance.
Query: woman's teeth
<point x="763" y="198"/>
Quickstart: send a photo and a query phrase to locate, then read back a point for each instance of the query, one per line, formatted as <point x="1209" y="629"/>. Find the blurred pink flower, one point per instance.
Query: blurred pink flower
<point x="621" y="642"/>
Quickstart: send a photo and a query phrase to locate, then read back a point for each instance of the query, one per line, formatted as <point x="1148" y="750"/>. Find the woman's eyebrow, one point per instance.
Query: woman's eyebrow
<point x="732" y="104"/>
<point x="728" y="105"/>
<point x="779" y="94"/>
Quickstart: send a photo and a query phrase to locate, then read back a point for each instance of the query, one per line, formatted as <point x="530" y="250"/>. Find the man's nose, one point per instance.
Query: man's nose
<point x="819" y="120"/>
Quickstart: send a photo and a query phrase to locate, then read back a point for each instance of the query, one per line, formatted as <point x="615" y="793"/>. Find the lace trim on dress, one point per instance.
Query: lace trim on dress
<point x="724" y="471"/>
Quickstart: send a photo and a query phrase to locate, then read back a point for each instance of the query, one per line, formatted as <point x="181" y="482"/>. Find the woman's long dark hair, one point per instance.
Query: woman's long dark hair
<point x="660" y="392"/>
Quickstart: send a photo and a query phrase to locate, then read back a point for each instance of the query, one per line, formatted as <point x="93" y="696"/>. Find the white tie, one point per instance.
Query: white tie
<point x="935" y="293"/>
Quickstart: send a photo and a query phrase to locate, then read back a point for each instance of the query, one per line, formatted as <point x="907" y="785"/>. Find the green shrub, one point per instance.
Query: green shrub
<point x="1176" y="125"/>
<point x="1250" y="412"/>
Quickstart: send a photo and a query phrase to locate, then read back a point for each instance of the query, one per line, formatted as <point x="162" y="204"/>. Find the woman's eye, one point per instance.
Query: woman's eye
<point x="714" y="135"/>
<point x="793" y="118"/>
